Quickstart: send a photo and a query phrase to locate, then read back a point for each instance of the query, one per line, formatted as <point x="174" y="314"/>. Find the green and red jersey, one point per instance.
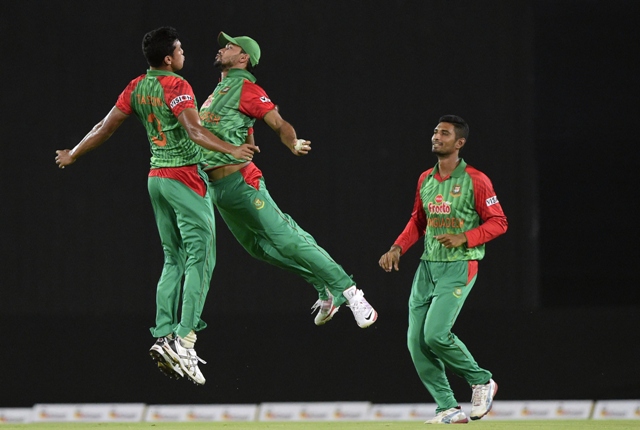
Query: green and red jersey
<point x="463" y="202"/>
<point x="231" y="111"/>
<point x="157" y="98"/>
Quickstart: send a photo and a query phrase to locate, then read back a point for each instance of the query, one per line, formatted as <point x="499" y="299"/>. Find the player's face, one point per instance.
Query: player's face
<point x="229" y="57"/>
<point x="443" y="141"/>
<point x="177" y="57"/>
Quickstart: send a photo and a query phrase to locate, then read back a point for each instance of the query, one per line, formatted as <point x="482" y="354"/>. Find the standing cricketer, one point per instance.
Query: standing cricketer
<point x="165" y="104"/>
<point x="457" y="211"/>
<point x="240" y="193"/>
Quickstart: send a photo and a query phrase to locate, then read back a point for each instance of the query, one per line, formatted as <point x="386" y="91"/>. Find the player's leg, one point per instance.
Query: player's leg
<point x="195" y="220"/>
<point x="170" y="282"/>
<point x="453" y="285"/>
<point x="255" y="210"/>
<point x="455" y="281"/>
<point x="430" y="368"/>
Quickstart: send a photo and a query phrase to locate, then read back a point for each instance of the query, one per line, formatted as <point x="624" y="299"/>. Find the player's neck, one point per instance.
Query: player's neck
<point x="448" y="164"/>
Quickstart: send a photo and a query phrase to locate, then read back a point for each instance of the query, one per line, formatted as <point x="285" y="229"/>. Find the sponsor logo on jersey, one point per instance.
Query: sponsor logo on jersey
<point x="491" y="201"/>
<point x="456" y="190"/>
<point x="457" y="292"/>
<point x="264" y="99"/>
<point x="440" y="206"/>
<point x="207" y="103"/>
<point x="182" y="98"/>
<point x="224" y="91"/>
<point x="259" y="204"/>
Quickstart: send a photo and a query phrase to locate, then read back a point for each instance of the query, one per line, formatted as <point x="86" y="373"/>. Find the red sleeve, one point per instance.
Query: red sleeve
<point x="254" y="101"/>
<point x="494" y="221"/>
<point x="417" y="224"/>
<point x="178" y="94"/>
<point x="124" y="99"/>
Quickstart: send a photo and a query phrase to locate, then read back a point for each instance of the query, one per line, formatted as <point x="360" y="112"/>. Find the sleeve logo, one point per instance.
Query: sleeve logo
<point x="491" y="201"/>
<point x="264" y="99"/>
<point x="183" y="98"/>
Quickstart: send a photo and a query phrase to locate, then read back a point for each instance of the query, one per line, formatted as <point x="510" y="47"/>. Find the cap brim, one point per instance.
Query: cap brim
<point x="224" y="38"/>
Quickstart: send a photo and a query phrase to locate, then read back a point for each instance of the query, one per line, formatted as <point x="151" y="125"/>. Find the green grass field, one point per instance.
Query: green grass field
<point x="355" y="425"/>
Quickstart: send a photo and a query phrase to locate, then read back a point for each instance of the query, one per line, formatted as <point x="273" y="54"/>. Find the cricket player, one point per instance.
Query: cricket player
<point x="457" y="212"/>
<point x="165" y="104"/>
<point x="240" y="193"/>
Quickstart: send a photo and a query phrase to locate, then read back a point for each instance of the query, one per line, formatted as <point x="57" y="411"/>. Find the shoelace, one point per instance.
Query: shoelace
<point x="480" y="394"/>
<point x="359" y="304"/>
<point x="193" y="358"/>
<point x="324" y="305"/>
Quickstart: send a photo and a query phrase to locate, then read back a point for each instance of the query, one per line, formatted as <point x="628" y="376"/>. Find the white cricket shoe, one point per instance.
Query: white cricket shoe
<point x="482" y="399"/>
<point x="450" y="416"/>
<point x="326" y="310"/>
<point x="188" y="360"/>
<point x="363" y="312"/>
<point x="167" y="365"/>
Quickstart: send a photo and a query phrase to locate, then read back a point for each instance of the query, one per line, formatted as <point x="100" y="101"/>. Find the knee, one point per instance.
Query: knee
<point x="436" y="340"/>
<point x="290" y="250"/>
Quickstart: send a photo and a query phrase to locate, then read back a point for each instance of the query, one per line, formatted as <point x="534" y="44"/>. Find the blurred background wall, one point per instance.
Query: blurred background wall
<point x="549" y="89"/>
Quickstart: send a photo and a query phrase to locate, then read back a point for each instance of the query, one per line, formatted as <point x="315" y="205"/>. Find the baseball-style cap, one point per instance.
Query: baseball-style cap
<point x="247" y="44"/>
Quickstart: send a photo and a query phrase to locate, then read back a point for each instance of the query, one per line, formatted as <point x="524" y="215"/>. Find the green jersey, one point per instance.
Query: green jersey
<point x="230" y="112"/>
<point x="463" y="202"/>
<point x="157" y="99"/>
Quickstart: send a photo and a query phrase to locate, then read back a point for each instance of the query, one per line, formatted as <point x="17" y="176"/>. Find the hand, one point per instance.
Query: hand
<point x="64" y="158"/>
<point x="451" y="240"/>
<point x="245" y="151"/>
<point x="301" y="147"/>
<point x="391" y="259"/>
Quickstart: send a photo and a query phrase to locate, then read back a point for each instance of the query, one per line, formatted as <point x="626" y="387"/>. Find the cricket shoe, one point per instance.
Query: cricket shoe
<point x="167" y="365"/>
<point x="450" y="416"/>
<point x="363" y="312"/>
<point x="188" y="361"/>
<point x="326" y="310"/>
<point x="482" y="399"/>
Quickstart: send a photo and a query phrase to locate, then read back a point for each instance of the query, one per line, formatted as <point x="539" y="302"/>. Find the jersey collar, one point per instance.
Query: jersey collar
<point x="241" y="73"/>
<point x="457" y="172"/>
<point x="151" y="72"/>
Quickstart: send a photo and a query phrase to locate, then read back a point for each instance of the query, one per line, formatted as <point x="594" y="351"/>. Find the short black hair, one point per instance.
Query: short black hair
<point x="159" y="43"/>
<point x="460" y="125"/>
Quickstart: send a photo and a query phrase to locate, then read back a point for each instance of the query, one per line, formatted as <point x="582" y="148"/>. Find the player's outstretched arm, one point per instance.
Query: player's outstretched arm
<point x="96" y="137"/>
<point x="287" y="133"/>
<point x="391" y="259"/>
<point x="191" y="122"/>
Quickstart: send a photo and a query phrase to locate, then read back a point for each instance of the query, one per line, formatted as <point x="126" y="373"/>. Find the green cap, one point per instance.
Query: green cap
<point x="247" y="44"/>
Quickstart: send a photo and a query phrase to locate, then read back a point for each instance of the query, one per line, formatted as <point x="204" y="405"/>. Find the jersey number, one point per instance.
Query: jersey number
<point x="162" y="140"/>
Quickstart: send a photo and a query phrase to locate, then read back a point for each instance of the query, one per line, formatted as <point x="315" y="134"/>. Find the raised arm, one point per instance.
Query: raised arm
<point x="96" y="137"/>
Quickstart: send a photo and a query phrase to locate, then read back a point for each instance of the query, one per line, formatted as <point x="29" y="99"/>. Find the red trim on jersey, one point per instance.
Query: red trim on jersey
<point x="188" y="175"/>
<point x="124" y="99"/>
<point x="251" y="175"/>
<point x="472" y="270"/>
<point x="254" y="101"/>
<point x="178" y="92"/>
<point x="494" y="221"/>
<point x="417" y="224"/>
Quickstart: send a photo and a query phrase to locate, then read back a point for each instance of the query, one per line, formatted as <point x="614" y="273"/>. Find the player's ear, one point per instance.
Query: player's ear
<point x="460" y="143"/>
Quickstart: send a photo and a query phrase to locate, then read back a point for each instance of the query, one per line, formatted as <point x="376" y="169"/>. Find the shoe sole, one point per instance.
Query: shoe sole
<point x="369" y="321"/>
<point x="328" y="317"/>
<point x="165" y="366"/>
<point x="490" y="404"/>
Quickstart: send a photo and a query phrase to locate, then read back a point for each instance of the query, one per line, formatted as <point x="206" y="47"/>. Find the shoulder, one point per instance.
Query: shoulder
<point x="476" y="174"/>
<point x="423" y="175"/>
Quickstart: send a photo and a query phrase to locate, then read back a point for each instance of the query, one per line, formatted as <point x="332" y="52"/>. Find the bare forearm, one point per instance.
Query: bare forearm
<point x="209" y="141"/>
<point x="96" y="137"/>
<point x="287" y="134"/>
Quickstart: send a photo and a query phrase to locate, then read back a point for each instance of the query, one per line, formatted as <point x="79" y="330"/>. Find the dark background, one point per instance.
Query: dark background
<point x="549" y="89"/>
